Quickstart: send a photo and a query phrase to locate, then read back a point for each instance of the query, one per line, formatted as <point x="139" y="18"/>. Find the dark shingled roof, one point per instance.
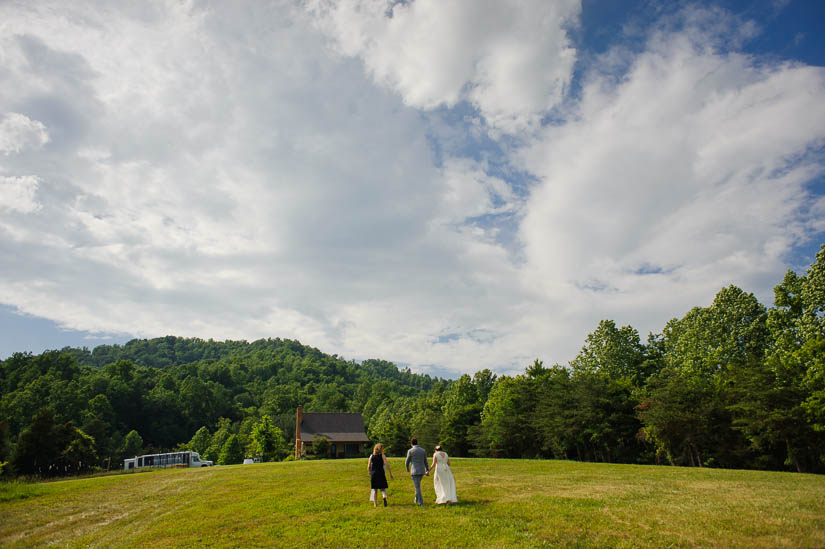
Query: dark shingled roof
<point x="333" y="427"/>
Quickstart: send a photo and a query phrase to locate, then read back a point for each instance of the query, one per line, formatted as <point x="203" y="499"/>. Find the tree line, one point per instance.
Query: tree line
<point x="733" y="384"/>
<point x="224" y="399"/>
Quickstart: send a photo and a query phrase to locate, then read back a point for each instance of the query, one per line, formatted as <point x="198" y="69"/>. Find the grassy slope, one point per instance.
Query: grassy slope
<point x="503" y="503"/>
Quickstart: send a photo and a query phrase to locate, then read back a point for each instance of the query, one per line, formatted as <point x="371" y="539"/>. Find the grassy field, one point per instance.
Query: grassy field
<point x="502" y="503"/>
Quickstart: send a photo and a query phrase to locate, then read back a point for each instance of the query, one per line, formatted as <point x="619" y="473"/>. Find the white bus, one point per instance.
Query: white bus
<point x="172" y="459"/>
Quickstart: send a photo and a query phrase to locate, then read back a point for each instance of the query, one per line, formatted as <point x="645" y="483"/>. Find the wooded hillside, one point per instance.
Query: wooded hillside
<point x="733" y="384"/>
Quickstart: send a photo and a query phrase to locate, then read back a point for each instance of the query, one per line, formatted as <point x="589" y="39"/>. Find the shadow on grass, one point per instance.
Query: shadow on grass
<point x="461" y="503"/>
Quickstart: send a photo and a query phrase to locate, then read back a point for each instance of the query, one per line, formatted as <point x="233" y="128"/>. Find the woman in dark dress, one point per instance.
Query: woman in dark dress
<point x="378" y="479"/>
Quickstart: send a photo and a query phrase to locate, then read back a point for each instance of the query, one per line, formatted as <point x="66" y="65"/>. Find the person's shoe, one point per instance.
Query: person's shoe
<point x="385" y="502"/>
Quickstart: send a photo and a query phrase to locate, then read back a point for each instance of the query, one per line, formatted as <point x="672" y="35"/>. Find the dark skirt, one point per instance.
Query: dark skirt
<point x="378" y="479"/>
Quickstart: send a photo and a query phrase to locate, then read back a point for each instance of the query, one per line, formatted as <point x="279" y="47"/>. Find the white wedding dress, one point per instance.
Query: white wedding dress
<point x="443" y="481"/>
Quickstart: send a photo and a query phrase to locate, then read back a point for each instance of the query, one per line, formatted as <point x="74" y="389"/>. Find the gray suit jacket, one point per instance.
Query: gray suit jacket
<point x="416" y="462"/>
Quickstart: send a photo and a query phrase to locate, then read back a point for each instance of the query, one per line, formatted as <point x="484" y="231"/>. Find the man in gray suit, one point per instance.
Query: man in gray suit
<point x="416" y="465"/>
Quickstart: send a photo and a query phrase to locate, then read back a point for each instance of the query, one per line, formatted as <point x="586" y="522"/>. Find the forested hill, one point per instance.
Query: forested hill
<point x="164" y="352"/>
<point x="166" y="389"/>
<point x="731" y="384"/>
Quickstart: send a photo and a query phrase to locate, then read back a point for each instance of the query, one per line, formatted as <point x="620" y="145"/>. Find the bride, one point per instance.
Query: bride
<point x="443" y="481"/>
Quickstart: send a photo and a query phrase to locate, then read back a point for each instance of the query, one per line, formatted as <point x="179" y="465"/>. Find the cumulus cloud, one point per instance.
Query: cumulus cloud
<point x="688" y="174"/>
<point x="18" y="131"/>
<point x="512" y="62"/>
<point x="19" y="194"/>
<point x="222" y="175"/>
<point x="470" y="192"/>
<point x="219" y="170"/>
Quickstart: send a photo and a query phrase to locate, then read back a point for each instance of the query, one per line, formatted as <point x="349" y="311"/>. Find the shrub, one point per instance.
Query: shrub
<point x="320" y="447"/>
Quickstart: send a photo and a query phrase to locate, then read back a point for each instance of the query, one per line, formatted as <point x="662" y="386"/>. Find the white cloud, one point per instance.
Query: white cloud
<point x="512" y="62"/>
<point x="687" y="175"/>
<point x="222" y="175"/>
<point x="18" y="131"/>
<point x="19" y="193"/>
<point x="469" y="192"/>
<point x="216" y="171"/>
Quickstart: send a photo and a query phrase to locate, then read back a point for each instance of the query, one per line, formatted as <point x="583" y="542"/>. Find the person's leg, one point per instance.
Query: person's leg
<point x="419" y="499"/>
<point x="384" y="493"/>
<point x="372" y="497"/>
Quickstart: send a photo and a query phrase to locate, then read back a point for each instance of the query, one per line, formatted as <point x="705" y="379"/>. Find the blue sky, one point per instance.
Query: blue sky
<point x="448" y="185"/>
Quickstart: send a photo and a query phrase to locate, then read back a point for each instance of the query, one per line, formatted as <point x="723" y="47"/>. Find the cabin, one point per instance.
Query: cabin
<point x="345" y="433"/>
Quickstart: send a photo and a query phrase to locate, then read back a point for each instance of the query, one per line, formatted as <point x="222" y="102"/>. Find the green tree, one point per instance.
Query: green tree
<point x="553" y="416"/>
<point x="267" y="441"/>
<point x="196" y="401"/>
<point x="813" y="355"/>
<point x="390" y="425"/>
<point x="50" y="449"/>
<point x="773" y="398"/>
<point x="282" y="399"/>
<point x="812" y="293"/>
<point x="37" y="449"/>
<point x="99" y="421"/>
<point x="99" y="431"/>
<point x="425" y="425"/>
<point x="4" y="441"/>
<point x="163" y="407"/>
<point x="232" y="451"/>
<point x="483" y="381"/>
<point x="79" y="453"/>
<point x="132" y="445"/>
<point x="200" y="441"/>
<point x="706" y="341"/>
<point x="167" y="388"/>
<point x="320" y="447"/>
<point x="461" y="411"/>
<point x="701" y="352"/>
<point x="618" y="352"/>
<point x="218" y="441"/>
<point x="506" y="430"/>
<point x="100" y="407"/>
<point x="18" y="407"/>
<point x="328" y="398"/>
<point x="812" y="330"/>
<point x="678" y="413"/>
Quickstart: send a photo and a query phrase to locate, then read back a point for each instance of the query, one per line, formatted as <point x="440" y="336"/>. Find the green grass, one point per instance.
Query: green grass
<point x="503" y="503"/>
<point x="10" y="491"/>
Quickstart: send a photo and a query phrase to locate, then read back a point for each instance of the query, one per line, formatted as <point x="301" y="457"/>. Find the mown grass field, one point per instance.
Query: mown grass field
<point x="502" y="503"/>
